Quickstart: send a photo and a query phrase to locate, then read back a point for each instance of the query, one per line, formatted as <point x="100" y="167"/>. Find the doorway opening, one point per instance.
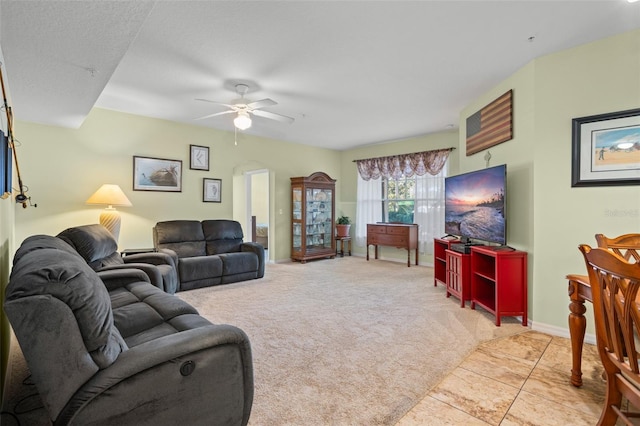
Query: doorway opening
<point x="257" y="189"/>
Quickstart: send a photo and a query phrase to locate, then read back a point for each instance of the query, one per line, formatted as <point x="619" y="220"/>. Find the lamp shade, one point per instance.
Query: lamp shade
<point x="110" y="195"/>
<point x="242" y="121"/>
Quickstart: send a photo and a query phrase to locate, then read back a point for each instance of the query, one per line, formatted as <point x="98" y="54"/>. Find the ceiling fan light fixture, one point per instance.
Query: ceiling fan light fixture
<point x="242" y="121"/>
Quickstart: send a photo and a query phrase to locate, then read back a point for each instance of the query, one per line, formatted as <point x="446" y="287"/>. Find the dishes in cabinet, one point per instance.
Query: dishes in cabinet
<point x="321" y="196"/>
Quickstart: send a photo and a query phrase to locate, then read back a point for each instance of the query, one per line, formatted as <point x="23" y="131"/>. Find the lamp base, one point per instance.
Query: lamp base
<point x="110" y="219"/>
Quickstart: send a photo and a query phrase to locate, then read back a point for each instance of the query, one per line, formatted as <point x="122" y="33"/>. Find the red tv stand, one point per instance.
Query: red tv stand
<point x="499" y="281"/>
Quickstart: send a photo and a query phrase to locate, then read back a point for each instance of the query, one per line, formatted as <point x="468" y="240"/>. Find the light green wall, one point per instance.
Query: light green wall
<point x="546" y="217"/>
<point x="63" y="167"/>
<point x="596" y="78"/>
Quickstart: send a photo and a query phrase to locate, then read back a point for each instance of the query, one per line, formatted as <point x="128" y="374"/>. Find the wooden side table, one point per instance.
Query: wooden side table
<point x="341" y="241"/>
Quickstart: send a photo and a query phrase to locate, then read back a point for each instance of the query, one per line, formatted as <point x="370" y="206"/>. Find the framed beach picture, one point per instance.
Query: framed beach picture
<point x="157" y="174"/>
<point x="212" y="190"/>
<point x="606" y="149"/>
<point x="199" y="157"/>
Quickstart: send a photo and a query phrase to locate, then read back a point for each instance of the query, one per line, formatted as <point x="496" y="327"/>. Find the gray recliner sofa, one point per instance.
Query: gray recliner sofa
<point x="209" y="252"/>
<point x="107" y="348"/>
<point x="99" y="249"/>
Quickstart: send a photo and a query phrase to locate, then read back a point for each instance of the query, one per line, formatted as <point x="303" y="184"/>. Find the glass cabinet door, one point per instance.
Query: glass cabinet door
<point x="297" y="218"/>
<point x="319" y="223"/>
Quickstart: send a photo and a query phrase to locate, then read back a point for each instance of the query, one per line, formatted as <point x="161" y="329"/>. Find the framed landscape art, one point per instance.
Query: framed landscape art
<point x="157" y="174"/>
<point x="606" y="149"/>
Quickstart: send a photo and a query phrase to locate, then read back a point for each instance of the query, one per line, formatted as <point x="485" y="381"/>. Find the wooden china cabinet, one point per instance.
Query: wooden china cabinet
<point x="313" y="217"/>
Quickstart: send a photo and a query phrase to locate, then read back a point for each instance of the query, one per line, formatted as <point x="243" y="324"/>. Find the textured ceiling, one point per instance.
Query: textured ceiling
<point x="350" y="73"/>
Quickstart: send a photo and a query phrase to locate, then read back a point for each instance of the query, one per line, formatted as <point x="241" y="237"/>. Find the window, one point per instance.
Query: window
<point x="399" y="199"/>
<point x="418" y="199"/>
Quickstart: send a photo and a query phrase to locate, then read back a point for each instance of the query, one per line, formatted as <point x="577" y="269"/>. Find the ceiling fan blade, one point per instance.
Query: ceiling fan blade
<point x="261" y="103"/>
<point x="273" y="116"/>
<point x="214" y="102"/>
<point x="213" y="115"/>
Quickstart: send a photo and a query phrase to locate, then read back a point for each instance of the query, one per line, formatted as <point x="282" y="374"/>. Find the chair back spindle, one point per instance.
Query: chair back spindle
<point x="627" y="246"/>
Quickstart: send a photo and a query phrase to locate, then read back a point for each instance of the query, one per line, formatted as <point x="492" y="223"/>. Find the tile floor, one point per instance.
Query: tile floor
<point x="517" y="380"/>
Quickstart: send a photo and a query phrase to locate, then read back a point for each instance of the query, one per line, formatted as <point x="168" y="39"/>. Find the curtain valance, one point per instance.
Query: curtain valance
<point x="397" y="166"/>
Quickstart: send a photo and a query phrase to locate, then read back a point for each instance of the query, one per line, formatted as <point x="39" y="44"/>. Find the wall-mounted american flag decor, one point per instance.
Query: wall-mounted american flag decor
<point x="491" y="125"/>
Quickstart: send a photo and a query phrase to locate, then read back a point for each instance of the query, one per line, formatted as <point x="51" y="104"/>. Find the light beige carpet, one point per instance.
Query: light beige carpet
<point x="344" y="341"/>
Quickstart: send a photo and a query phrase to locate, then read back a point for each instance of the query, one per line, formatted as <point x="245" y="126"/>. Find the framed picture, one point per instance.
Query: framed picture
<point x="157" y="174"/>
<point x="212" y="190"/>
<point x="5" y="167"/>
<point x="199" y="159"/>
<point x="606" y="149"/>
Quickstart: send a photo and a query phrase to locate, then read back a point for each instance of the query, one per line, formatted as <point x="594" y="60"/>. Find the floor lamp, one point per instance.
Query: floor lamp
<point x="110" y="195"/>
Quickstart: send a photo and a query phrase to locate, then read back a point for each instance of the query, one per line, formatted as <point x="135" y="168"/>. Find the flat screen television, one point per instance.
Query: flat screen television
<point x="475" y="205"/>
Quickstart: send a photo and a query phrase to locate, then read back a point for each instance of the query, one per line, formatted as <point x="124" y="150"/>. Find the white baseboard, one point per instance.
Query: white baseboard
<point x="560" y="331"/>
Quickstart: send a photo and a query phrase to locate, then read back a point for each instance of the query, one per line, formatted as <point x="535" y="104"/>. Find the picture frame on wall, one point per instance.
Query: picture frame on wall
<point x="6" y="167"/>
<point x="199" y="157"/>
<point x="157" y="174"/>
<point x="606" y="149"/>
<point x="212" y="190"/>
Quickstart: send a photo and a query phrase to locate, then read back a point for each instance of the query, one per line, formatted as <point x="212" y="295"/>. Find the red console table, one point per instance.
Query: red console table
<point x="499" y="281"/>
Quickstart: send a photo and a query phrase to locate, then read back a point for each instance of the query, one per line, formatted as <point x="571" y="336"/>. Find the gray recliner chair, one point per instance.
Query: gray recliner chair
<point x="100" y="250"/>
<point x="109" y="348"/>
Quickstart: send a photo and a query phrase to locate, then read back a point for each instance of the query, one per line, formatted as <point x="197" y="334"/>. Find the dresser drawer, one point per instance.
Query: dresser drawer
<point x="391" y="240"/>
<point x="376" y="229"/>
<point x="397" y="230"/>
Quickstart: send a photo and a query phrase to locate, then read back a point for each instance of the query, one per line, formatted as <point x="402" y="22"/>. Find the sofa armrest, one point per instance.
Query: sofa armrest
<point x="171" y="253"/>
<point x="155" y="258"/>
<point x="183" y="378"/>
<point x="120" y="277"/>
<point x="166" y="265"/>
<point x="258" y="249"/>
<point x="153" y="274"/>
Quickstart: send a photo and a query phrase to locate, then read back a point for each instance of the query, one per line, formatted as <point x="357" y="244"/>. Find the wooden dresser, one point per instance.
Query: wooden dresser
<point x="400" y="235"/>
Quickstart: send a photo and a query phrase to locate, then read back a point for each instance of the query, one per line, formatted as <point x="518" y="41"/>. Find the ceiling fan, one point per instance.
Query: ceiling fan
<point x="244" y="109"/>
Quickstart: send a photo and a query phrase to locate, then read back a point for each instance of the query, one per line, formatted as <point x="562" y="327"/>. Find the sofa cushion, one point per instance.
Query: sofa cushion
<point x="143" y="313"/>
<point x="197" y="268"/>
<point x="187" y="249"/>
<point x="36" y="242"/>
<point x="223" y="246"/>
<point x="222" y="236"/>
<point x="185" y="237"/>
<point x="94" y="243"/>
<point x="177" y="231"/>
<point x="222" y="229"/>
<point x="238" y="263"/>
<point x="66" y="277"/>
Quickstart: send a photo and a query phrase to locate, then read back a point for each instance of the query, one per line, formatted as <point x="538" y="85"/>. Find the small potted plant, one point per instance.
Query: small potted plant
<point x="343" y="224"/>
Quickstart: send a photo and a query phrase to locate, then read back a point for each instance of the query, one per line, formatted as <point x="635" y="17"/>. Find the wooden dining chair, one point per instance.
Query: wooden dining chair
<point x="627" y="245"/>
<point x="614" y="284"/>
